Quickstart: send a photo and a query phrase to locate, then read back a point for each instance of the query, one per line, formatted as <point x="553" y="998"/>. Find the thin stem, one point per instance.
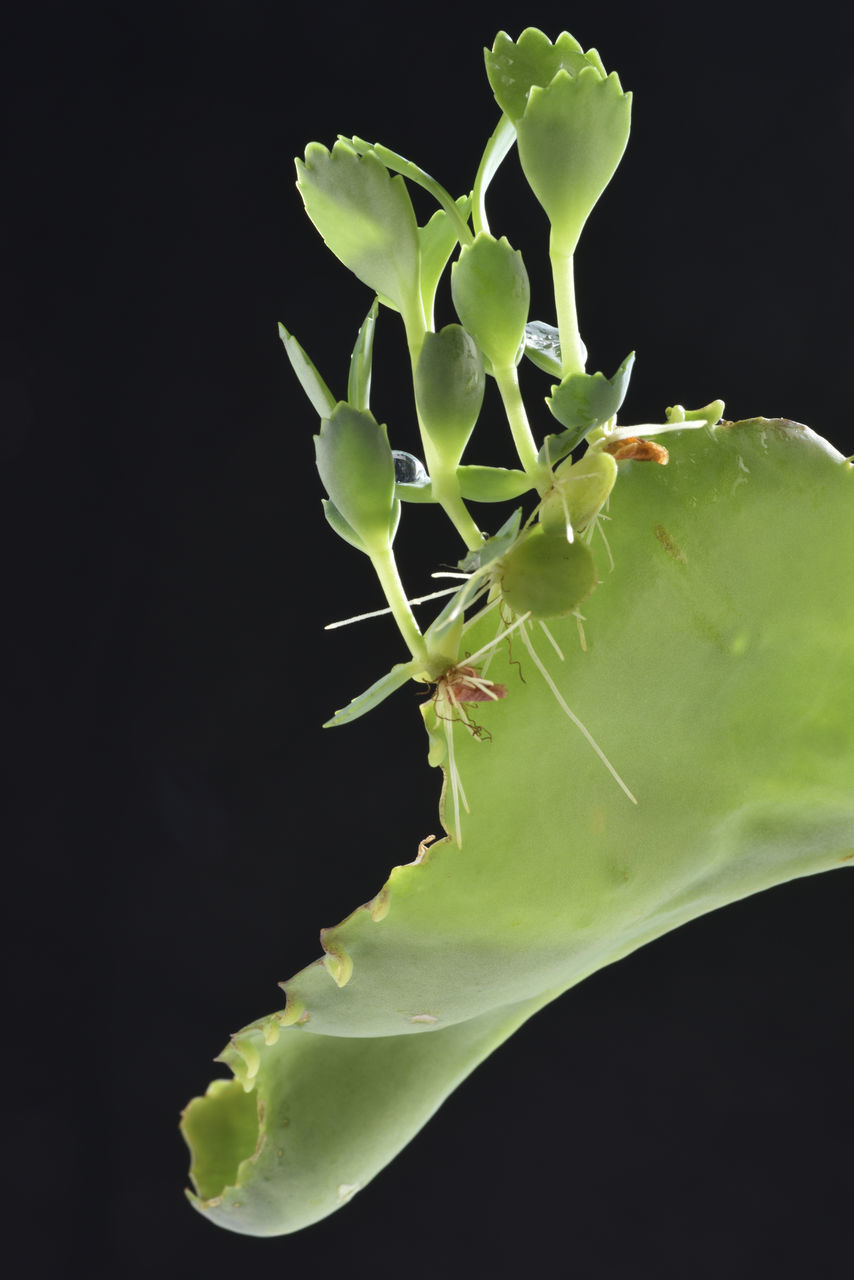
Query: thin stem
<point x="514" y="406"/>
<point x="446" y="491"/>
<point x="571" y="347"/>
<point x="496" y="149"/>
<point x="386" y="569"/>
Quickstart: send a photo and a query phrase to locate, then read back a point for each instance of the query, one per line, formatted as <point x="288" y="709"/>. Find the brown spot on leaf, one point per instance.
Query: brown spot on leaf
<point x="636" y="449"/>
<point x="671" y="546"/>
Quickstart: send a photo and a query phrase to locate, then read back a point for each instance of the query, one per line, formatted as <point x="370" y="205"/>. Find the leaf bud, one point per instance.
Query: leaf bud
<point x="491" y="293"/>
<point x="357" y="469"/>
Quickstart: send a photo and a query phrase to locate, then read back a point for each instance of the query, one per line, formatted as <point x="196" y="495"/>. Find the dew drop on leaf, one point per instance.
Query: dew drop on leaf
<point x="408" y="469"/>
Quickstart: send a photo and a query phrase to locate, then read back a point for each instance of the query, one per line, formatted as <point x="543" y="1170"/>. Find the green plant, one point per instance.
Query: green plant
<point x="609" y="776"/>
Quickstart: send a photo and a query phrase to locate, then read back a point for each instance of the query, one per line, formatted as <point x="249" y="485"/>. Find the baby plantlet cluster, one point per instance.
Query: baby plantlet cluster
<point x="556" y="101"/>
<point x="586" y="857"/>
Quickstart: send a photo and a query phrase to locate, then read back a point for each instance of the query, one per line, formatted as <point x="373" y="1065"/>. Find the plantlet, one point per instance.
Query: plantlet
<point x="639" y="686"/>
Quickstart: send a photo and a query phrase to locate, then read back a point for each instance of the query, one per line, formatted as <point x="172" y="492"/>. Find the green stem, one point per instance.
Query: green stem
<point x="571" y="346"/>
<point x="508" y="386"/>
<point x="446" y="491"/>
<point x="386" y="569"/>
<point x="496" y="149"/>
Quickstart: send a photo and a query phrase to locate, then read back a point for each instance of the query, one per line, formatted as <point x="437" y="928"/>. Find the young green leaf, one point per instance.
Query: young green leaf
<point x="546" y="576"/>
<point x="491" y="293"/>
<point x="366" y="218"/>
<point x="336" y="521"/>
<point x="579" y="493"/>
<point x="494" y="153"/>
<point x="449" y="386"/>
<point x="584" y="400"/>
<point x="438" y="239"/>
<point x="563" y="105"/>
<point x="494" y="547"/>
<point x="710" y="413"/>
<point x="585" y="120"/>
<point x="492" y="484"/>
<point x="542" y="346"/>
<point x="377" y="693"/>
<point x="514" y="67"/>
<point x="357" y="469"/>
<point x="310" y="380"/>
<point x="359" y="380"/>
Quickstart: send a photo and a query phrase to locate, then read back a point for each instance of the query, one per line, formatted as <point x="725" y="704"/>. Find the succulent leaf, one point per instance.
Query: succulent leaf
<point x="366" y="218"/>
<point x="449" y="386"/>
<point x="336" y="521"/>
<point x="310" y="380"/>
<point x="584" y="120"/>
<point x="492" y="484"/>
<point x="373" y="696"/>
<point x="515" y="67"/>
<point x="359" y="379"/>
<point x="579" y="493"/>
<point x="357" y="469"/>
<point x="491" y="293"/>
<point x="583" y="401"/>
<point x="726" y="622"/>
<point x="546" y="576"/>
<point x="542" y="346"/>
<point x="438" y="239"/>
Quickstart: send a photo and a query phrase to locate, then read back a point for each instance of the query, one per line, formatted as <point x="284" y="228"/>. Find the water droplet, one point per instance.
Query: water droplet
<point x="408" y="469"/>
<point x="423" y="1017"/>
<point x="543" y="337"/>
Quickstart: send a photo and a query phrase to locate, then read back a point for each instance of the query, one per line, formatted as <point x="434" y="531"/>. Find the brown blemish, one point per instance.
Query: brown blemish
<point x="423" y="850"/>
<point x="671" y="546"/>
<point x="635" y="449"/>
<point x="379" y="906"/>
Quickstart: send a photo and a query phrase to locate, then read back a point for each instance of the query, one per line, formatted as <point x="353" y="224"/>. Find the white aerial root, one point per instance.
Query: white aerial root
<point x="379" y="613"/>
<point x="526" y="640"/>
<point x="596" y="524"/>
<point x="496" y="640"/>
<point x="457" y="791"/>
<point x="554" y="644"/>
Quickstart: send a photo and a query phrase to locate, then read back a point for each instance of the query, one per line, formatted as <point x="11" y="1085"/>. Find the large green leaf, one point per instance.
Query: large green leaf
<point x="718" y="676"/>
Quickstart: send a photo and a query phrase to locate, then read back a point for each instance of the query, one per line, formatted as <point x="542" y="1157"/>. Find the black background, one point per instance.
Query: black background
<point x="182" y="826"/>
